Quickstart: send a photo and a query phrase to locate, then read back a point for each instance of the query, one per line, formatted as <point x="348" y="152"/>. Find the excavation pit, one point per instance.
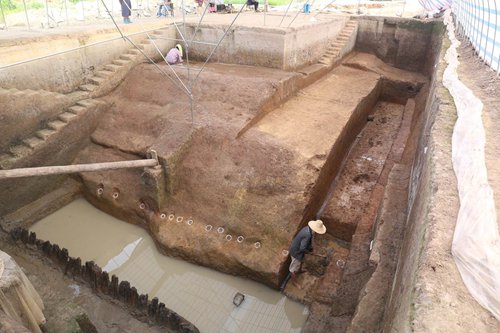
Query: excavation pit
<point x="323" y="120"/>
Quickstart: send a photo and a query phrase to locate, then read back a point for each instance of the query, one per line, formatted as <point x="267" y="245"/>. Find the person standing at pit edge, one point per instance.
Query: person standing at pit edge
<point x="253" y="3"/>
<point x="126" y="10"/>
<point x="301" y="244"/>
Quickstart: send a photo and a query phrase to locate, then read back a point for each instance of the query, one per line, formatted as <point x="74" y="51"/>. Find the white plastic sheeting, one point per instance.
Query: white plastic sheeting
<point x="476" y="243"/>
<point x="18" y="299"/>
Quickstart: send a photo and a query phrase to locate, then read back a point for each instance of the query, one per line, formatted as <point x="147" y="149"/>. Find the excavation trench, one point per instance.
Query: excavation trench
<point x="351" y="166"/>
<point x="268" y="150"/>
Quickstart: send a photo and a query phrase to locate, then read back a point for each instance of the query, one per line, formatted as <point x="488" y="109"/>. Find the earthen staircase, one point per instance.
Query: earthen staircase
<point x="99" y="84"/>
<point x="108" y="78"/>
<point x="42" y="137"/>
<point x="343" y="44"/>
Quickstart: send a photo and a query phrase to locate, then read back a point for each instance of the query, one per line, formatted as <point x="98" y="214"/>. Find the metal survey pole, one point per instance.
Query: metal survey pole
<point x="298" y="12"/>
<point x="26" y="12"/>
<point x="142" y="52"/>
<point x="220" y="41"/>
<point x="476" y="26"/>
<point x="404" y="8"/>
<point x="199" y="22"/>
<point x="266" y="7"/>
<point x="3" y="16"/>
<point x="181" y="40"/>
<point x="495" y="38"/>
<point x="186" y="44"/>
<point x="286" y="12"/>
<point x="482" y="31"/>
<point x="75" y="168"/>
<point x="161" y="54"/>
<point x="47" y="11"/>
<point x="458" y="15"/>
<point x="322" y="9"/>
<point x="487" y="34"/>
<point x="66" y="10"/>
<point x="83" y="9"/>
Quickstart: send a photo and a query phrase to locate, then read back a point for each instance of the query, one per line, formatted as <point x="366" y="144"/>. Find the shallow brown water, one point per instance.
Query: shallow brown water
<point x="201" y="295"/>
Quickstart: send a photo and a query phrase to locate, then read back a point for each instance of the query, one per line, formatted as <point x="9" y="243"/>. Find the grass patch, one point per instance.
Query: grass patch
<point x="14" y="6"/>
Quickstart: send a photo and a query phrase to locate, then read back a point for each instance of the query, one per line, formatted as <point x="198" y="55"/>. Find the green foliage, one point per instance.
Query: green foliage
<point x="35" y="5"/>
<point x="8" y="5"/>
<point x="13" y="6"/>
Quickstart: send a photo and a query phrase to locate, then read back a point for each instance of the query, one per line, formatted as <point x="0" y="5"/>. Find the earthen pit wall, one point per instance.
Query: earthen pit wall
<point x="333" y="164"/>
<point x="64" y="72"/>
<point x="427" y="286"/>
<point x="399" y="42"/>
<point x="282" y="48"/>
<point x="399" y="307"/>
<point x="18" y="192"/>
<point x="22" y="113"/>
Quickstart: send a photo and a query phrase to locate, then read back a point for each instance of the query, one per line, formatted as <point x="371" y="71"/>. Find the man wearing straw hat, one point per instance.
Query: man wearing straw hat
<point x="301" y="244"/>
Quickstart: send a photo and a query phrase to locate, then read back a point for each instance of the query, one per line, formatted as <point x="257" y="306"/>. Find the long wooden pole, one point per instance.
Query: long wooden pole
<point x="64" y="169"/>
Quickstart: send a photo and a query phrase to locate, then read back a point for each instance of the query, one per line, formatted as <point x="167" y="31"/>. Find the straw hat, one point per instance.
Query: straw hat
<point x="317" y="226"/>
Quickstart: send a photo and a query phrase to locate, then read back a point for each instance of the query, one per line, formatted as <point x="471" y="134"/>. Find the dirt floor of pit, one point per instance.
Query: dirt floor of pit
<point x="374" y="175"/>
<point x="67" y="300"/>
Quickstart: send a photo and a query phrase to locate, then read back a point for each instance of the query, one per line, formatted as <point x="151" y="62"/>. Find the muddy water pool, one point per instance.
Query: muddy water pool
<point x="201" y="295"/>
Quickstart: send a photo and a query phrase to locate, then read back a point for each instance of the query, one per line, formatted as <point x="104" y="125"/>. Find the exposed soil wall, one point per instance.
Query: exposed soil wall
<point x="59" y="150"/>
<point x="338" y="153"/>
<point x="23" y="112"/>
<point x="306" y="45"/>
<point x="399" y="307"/>
<point x="402" y="43"/>
<point x="64" y="72"/>
<point x="282" y="48"/>
<point x="428" y="294"/>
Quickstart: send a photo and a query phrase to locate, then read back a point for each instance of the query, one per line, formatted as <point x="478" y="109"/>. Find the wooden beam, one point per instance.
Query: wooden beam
<point x="64" y="169"/>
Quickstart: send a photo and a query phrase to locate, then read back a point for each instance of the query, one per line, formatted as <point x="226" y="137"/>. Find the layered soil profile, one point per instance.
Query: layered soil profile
<point x="254" y="187"/>
<point x="261" y="152"/>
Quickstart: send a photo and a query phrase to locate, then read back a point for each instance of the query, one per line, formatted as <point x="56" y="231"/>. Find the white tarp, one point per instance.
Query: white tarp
<point x="476" y="243"/>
